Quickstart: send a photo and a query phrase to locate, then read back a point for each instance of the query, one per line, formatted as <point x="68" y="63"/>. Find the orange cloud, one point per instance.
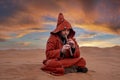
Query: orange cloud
<point x="23" y="33"/>
<point x="98" y="43"/>
<point x="24" y="43"/>
<point x="4" y="37"/>
<point x="98" y="28"/>
<point x="86" y="36"/>
<point x="23" y="15"/>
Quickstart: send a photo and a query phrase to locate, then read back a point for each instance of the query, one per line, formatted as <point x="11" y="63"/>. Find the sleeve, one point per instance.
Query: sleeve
<point x="51" y="51"/>
<point x="77" y="50"/>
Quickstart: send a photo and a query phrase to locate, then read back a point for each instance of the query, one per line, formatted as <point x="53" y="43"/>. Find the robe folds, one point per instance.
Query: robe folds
<point x="55" y="63"/>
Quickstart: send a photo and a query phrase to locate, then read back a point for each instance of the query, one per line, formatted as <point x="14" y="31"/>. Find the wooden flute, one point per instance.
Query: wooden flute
<point x="70" y="47"/>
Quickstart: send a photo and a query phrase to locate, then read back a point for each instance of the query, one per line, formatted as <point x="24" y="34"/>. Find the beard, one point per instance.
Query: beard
<point x="63" y="36"/>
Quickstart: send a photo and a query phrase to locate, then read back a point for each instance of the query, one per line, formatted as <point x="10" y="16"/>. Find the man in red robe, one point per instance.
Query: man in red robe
<point x="62" y="51"/>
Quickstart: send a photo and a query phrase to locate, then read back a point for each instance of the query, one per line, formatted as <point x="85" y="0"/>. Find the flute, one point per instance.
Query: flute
<point x="70" y="48"/>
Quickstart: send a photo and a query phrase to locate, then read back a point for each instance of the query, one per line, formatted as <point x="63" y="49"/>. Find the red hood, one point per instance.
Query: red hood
<point x="62" y="24"/>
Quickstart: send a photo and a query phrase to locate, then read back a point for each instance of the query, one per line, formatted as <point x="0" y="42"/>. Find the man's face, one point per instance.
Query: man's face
<point x="65" y="32"/>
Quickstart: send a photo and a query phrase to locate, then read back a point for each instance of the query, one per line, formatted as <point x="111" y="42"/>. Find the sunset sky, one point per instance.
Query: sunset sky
<point x="27" y="24"/>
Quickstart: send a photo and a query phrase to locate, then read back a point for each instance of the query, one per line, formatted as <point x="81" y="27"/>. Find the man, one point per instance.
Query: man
<point x="62" y="51"/>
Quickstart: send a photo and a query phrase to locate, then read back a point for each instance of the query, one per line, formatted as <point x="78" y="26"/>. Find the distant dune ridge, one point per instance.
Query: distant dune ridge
<point x="103" y="64"/>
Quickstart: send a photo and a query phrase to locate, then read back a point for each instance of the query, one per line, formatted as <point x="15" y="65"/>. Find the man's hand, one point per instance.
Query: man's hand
<point x="65" y="47"/>
<point x="71" y="43"/>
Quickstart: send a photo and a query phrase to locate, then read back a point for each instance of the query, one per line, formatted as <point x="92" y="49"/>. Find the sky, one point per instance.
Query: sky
<point x="26" y="24"/>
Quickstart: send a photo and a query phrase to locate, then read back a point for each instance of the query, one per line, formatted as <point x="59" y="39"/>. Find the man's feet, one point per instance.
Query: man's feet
<point x="83" y="70"/>
<point x="74" y="69"/>
<point x="71" y="69"/>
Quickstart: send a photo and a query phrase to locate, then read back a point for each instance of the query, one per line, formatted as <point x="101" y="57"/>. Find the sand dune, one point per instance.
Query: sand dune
<point x="103" y="64"/>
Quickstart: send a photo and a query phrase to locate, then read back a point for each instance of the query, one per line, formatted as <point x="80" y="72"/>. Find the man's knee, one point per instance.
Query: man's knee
<point x="81" y="62"/>
<point x="53" y="63"/>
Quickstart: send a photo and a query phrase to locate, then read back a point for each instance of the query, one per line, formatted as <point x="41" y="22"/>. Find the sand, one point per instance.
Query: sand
<point x="103" y="64"/>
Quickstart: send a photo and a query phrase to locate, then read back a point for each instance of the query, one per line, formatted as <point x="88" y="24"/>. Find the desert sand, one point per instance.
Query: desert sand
<point x="103" y="64"/>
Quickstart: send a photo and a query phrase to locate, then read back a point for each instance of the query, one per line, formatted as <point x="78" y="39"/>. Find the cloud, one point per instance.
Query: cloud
<point x="103" y="28"/>
<point x="98" y="43"/>
<point x="84" y="36"/>
<point x="23" y="43"/>
<point x="16" y="16"/>
<point x="4" y="37"/>
<point x="99" y="40"/>
<point x="20" y="16"/>
<point x="2" y="40"/>
<point x="25" y="32"/>
<point x="96" y="14"/>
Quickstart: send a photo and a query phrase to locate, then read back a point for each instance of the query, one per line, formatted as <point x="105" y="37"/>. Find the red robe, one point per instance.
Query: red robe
<point x="54" y="63"/>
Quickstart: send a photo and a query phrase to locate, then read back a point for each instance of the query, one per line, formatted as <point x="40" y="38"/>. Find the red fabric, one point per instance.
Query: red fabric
<point x="55" y="64"/>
